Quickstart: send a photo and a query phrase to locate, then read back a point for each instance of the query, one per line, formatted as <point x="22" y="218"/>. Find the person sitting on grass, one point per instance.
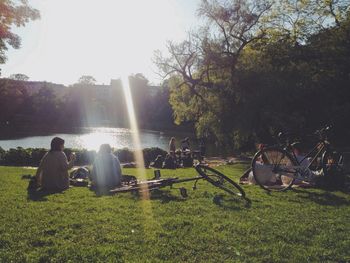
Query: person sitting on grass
<point x="185" y="144"/>
<point x="52" y="173"/>
<point x="303" y="161"/>
<point x="158" y="162"/>
<point x="106" y="171"/>
<point x="169" y="162"/>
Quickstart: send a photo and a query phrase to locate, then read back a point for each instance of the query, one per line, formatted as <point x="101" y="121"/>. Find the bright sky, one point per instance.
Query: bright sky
<point x="103" y="38"/>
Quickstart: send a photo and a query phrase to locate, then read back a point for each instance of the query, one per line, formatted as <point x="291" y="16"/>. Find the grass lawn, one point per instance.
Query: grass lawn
<point x="77" y="226"/>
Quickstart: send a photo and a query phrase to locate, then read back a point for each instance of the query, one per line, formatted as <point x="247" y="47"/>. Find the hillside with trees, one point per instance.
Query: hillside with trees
<point x="28" y="105"/>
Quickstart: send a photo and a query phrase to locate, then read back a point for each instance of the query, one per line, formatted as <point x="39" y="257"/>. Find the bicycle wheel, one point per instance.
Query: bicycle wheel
<point x="332" y="163"/>
<point x="219" y="180"/>
<point x="273" y="169"/>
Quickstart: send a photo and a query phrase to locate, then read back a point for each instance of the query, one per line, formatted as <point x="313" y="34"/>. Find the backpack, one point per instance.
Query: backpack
<point x="79" y="177"/>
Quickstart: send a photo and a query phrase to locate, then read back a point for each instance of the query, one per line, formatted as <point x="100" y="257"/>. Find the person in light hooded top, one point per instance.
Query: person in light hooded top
<point x="106" y="172"/>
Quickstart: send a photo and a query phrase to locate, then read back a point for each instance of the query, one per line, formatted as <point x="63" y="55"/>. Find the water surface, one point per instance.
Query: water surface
<point x="92" y="138"/>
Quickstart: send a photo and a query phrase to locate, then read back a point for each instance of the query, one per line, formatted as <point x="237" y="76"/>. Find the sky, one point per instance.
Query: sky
<point x="106" y="39"/>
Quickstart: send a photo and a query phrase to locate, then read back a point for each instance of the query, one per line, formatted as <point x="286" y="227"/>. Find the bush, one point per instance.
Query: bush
<point x="150" y="154"/>
<point x="32" y="156"/>
<point x="2" y="153"/>
<point x="125" y="155"/>
<point x="17" y="157"/>
<point x="83" y="157"/>
<point x="36" y="155"/>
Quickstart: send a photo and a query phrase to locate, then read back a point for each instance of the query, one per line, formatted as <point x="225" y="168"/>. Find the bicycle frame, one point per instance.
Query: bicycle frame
<point x="319" y="150"/>
<point x="299" y="170"/>
<point x="274" y="166"/>
<point x="157" y="182"/>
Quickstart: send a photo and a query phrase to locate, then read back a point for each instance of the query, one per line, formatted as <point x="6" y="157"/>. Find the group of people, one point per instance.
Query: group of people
<point x="52" y="173"/>
<point x="185" y="145"/>
<point x="180" y="157"/>
<point x="175" y="157"/>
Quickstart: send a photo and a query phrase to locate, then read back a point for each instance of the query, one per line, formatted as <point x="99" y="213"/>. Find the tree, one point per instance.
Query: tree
<point x="12" y="96"/>
<point x="87" y="80"/>
<point x="19" y="76"/>
<point x="243" y="73"/>
<point x="13" y="14"/>
<point x="204" y="69"/>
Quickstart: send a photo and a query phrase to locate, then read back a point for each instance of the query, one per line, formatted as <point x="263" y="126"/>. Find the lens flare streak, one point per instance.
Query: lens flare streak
<point x="140" y="164"/>
<point x="149" y="224"/>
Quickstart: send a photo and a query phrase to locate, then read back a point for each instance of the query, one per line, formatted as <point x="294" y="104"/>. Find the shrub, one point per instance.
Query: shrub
<point x="85" y="157"/>
<point x="36" y="155"/>
<point x="17" y="157"/>
<point x="32" y="156"/>
<point x="125" y="155"/>
<point x="150" y="154"/>
<point x="2" y="153"/>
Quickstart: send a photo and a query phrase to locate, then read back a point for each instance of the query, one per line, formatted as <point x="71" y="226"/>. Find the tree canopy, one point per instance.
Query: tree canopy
<point x="87" y="80"/>
<point x="19" y="76"/>
<point x="13" y="13"/>
<point x="258" y="66"/>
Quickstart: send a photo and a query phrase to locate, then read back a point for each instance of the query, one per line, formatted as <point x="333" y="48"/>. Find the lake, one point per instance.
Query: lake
<point x="92" y="138"/>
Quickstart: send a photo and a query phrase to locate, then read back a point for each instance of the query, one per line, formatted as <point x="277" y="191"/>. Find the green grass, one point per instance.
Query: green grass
<point x="77" y="226"/>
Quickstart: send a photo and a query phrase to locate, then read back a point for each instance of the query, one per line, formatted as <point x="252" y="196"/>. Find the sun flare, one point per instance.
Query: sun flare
<point x="106" y="39"/>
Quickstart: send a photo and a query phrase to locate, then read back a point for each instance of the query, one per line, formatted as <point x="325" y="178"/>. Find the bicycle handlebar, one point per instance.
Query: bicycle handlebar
<point x="322" y="134"/>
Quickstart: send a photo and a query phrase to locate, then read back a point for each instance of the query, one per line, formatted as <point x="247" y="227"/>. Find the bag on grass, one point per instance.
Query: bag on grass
<point x="79" y="177"/>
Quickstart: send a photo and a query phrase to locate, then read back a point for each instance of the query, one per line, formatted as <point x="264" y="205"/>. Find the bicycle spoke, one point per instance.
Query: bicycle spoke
<point x="219" y="180"/>
<point x="278" y="174"/>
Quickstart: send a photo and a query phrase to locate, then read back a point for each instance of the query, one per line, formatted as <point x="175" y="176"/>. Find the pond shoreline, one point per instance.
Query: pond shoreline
<point x="8" y="133"/>
<point x="91" y="139"/>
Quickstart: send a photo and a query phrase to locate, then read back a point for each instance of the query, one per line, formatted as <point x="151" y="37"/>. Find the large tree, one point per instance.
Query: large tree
<point x="204" y="68"/>
<point x="239" y="75"/>
<point x="13" y="14"/>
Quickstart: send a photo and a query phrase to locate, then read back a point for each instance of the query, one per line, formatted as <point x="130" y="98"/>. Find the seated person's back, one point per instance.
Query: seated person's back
<point x="169" y="162"/>
<point x="106" y="172"/>
<point x="52" y="173"/>
<point x="185" y="144"/>
<point x="158" y="162"/>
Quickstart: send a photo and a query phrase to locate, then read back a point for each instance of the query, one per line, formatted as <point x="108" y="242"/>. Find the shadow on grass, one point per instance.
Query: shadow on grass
<point x="37" y="194"/>
<point x="325" y="198"/>
<point x="40" y="194"/>
<point x="100" y="192"/>
<point x="343" y="188"/>
<point x="232" y="202"/>
<point x="164" y="196"/>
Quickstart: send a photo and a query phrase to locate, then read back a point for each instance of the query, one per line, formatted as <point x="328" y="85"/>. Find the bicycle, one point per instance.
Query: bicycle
<point x="209" y="174"/>
<point x="277" y="167"/>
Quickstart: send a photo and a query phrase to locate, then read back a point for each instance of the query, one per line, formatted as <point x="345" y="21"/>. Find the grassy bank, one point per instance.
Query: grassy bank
<point x="296" y="226"/>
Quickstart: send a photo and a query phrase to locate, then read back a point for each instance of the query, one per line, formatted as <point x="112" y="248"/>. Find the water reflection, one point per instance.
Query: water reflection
<point x="92" y="138"/>
<point x="117" y="138"/>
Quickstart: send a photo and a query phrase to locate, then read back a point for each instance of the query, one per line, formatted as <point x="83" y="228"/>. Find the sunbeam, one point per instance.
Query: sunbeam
<point x="140" y="164"/>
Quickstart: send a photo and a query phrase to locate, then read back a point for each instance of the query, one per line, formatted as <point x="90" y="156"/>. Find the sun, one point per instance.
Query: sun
<point x="105" y="38"/>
